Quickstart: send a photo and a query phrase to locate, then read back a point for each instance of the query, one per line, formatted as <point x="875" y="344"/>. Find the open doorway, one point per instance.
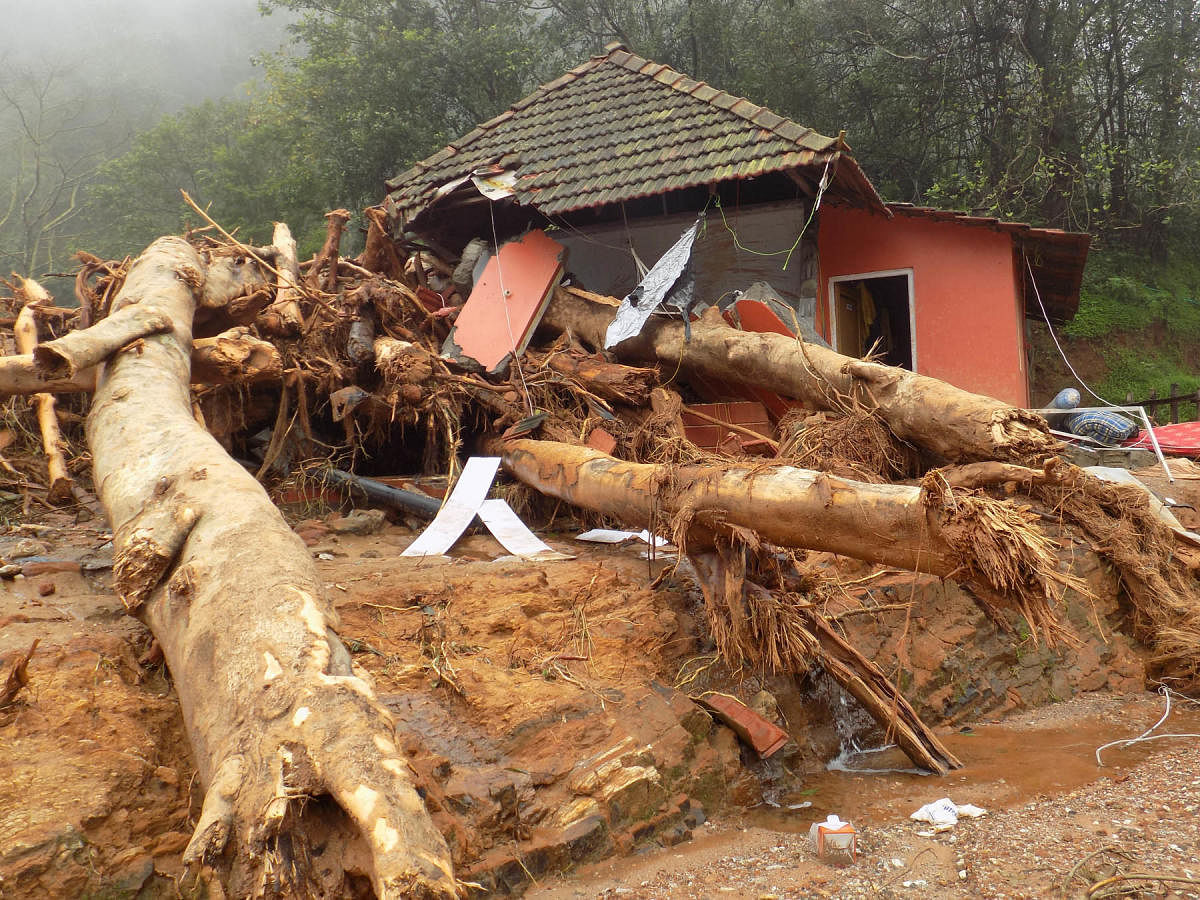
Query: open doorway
<point x="875" y="308"/>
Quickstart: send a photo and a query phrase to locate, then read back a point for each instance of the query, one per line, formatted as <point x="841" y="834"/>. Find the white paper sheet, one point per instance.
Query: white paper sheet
<point x="456" y="514"/>
<point x="513" y="534"/>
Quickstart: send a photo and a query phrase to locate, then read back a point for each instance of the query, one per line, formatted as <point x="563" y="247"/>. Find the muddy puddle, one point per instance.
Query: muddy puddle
<point x="1004" y="765"/>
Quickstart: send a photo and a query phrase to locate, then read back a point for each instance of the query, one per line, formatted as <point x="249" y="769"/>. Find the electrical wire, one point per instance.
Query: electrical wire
<point x="1054" y="336"/>
<point x="821" y="187"/>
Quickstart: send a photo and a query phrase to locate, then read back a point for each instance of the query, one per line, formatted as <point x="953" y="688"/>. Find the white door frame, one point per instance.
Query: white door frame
<point x="885" y="273"/>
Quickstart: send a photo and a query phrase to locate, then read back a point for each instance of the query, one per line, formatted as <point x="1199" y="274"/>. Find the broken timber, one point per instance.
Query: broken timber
<point x="274" y="710"/>
<point x="61" y="487"/>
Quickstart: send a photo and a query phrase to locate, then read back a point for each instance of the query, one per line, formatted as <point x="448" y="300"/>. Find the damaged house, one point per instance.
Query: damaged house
<point x="616" y="158"/>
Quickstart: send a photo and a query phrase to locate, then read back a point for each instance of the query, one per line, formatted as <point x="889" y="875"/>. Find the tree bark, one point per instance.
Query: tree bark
<point x="328" y="257"/>
<point x="303" y="779"/>
<point x="60" y="487"/>
<point x="952" y="423"/>
<point x="988" y="543"/>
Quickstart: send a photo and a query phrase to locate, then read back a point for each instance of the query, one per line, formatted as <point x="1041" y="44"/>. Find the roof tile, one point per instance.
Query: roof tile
<point x="619" y="127"/>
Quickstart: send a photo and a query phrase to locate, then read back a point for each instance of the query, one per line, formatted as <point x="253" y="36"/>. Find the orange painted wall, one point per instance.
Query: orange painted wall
<point x="969" y="323"/>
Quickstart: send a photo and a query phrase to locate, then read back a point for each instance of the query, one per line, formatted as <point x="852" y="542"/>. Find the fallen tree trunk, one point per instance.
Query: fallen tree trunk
<point x="623" y="384"/>
<point x="987" y="543"/>
<point x="276" y="716"/>
<point x="67" y="356"/>
<point x="232" y="357"/>
<point x="955" y="424"/>
<point x="60" y="487"/>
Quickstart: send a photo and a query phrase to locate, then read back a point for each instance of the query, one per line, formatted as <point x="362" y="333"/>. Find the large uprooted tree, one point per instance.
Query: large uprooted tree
<point x="306" y="790"/>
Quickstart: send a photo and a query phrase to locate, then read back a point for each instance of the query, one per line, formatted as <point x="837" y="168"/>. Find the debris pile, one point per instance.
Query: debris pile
<point x="757" y="452"/>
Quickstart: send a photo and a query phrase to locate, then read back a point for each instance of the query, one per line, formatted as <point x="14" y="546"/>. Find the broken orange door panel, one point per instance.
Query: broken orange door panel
<point x="506" y="303"/>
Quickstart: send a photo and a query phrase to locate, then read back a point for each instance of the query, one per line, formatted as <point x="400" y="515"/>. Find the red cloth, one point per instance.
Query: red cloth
<point x="1182" y="439"/>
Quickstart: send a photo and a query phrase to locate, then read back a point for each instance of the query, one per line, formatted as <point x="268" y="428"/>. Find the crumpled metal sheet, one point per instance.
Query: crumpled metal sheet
<point x="671" y="269"/>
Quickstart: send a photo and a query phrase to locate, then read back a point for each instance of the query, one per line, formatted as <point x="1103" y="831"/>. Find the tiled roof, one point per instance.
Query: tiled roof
<point x="1055" y="258"/>
<point x="620" y="127"/>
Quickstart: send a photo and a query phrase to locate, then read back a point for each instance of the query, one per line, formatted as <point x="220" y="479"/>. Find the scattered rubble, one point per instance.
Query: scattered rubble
<point x="851" y="524"/>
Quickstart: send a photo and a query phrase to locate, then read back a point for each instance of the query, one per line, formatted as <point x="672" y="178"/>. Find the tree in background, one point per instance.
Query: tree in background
<point x="52" y="140"/>
<point x="1076" y="113"/>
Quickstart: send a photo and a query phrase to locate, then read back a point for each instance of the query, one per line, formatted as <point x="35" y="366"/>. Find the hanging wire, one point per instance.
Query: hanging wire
<point x="512" y="340"/>
<point x="1054" y="336"/>
<point x="639" y="267"/>
<point x="821" y="187"/>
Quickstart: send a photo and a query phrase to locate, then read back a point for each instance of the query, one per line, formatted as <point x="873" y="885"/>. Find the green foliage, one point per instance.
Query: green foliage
<point x="1140" y="371"/>
<point x="1142" y="319"/>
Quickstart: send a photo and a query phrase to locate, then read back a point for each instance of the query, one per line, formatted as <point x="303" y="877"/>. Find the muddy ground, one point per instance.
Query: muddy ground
<point x="546" y="710"/>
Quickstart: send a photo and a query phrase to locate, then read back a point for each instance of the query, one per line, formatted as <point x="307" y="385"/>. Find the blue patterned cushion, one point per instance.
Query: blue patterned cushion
<point x="1108" y="428"/>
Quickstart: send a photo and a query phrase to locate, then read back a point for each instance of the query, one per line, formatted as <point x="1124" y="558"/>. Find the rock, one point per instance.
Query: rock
<point x="135" y="870"/>
<point x="360" y="521"/>
<point x="765" y="704"/>
<point x="46" y="588"/>
<point x="99" y="559"/>
<point x="370" y="554"/>
<point x="312" y="536"/>
<point x="28" y="547"/>
<point x="170" y="843"/>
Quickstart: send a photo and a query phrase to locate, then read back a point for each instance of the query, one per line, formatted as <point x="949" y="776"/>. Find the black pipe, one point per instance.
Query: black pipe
<point x="418" y="504"/>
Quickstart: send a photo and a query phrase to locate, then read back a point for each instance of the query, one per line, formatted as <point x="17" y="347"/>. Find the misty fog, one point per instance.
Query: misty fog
<point x="168" y="53"/>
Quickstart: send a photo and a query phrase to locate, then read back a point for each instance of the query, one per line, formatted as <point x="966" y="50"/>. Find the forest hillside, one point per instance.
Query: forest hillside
<point x="1077" y="114"/>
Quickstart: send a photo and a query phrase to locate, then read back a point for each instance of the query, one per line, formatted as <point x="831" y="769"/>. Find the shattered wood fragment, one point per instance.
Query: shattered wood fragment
<point x="283" y="316"/>
<point x="274" y="710"/>
<point x="952" y="423"/>
<point x="621" y="384"/>
<point x="380" y="254"/>
<point x="147" y="545"/>
<point x="865" y="681"/>
<point x="234" y="357"/>
<point x="327" y="258"/>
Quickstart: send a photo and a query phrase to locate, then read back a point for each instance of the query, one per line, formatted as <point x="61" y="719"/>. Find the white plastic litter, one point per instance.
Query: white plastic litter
<point x="833" y="835"/>
<point x="944" y="814"/>
<point x="612" y="536"/>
